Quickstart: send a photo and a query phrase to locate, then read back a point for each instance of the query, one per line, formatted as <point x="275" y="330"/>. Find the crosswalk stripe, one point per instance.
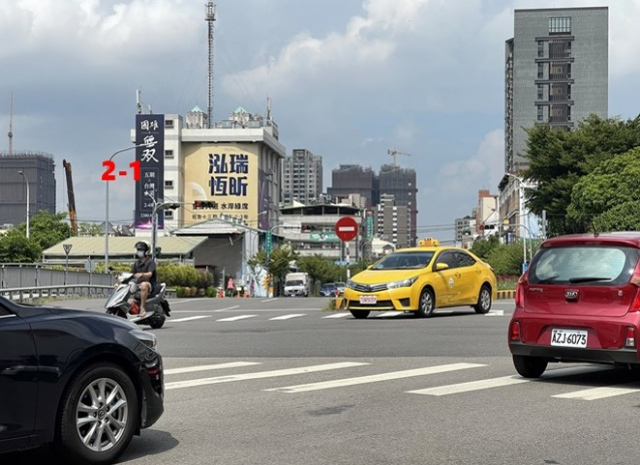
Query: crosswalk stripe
<point x="236" y="318"/>
<point x="337" y="315"/>
<point x="287" y="317"/>
<point x="190" y="318"/>
<point x="502" y="381"/>
<point x="387" y="314"/>
<point x="601" y="393"/>
<point x="219" y="366"/>
<point x="376" y="378"/>
<point x="495" y="313"/>
<point x="262" y="374"/>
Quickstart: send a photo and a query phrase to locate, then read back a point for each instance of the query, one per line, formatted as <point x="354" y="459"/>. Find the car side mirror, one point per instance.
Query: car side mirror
<point x="441" y="266"/>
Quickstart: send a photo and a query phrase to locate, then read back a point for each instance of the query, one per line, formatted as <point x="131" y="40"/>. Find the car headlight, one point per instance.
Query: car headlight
<point x="403" y="283"/>
<point x="148" y="339"/>
<point x="350" y="284"/>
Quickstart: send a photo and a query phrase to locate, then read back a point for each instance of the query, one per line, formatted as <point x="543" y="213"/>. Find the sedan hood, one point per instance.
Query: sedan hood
<point x="384" y="276"/>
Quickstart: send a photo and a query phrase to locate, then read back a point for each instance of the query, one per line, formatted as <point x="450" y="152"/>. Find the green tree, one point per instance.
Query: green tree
<point x="277" y="263"/>
<point x="16" y="248"/>
<point x="47" y="229"/>
<point x="483" y="246"/>
<point x="90" y="229"/>
<point x="611" y="187"/>
<point x="558" y="159"/>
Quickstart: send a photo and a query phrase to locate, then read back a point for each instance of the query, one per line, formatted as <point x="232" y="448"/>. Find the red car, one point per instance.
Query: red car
<point x="579" y="301"/>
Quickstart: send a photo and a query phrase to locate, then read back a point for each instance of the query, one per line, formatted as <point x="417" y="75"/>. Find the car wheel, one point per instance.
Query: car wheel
<point x="157" y="321"/>
<point x="427" y="304"/>
<point x="99" y="415"/>
<point x="484" y="300"/>
<point x="360" y="314"/>
<point x="530" y="367"/>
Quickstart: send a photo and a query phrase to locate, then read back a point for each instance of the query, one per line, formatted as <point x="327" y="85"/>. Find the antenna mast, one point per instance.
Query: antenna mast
<point x="138" y="102"/>
<point x="210" y="17"/>
<point x="11" y="127"/>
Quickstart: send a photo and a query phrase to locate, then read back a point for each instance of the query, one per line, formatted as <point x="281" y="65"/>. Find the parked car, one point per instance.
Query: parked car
<point x="579" y="301"/>
<point x="328" y="289"/>
<point x="421" y="280"/>
<point x="340" y="286"/>
<point x="85" y="382"/>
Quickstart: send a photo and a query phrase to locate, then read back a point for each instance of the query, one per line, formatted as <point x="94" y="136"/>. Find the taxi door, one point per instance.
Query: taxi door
<point x="445" y="281"/>
<point x="467" y="277"/>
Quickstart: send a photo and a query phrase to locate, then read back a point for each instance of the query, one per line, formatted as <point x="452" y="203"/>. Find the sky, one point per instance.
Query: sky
<point x="348" y="80"/>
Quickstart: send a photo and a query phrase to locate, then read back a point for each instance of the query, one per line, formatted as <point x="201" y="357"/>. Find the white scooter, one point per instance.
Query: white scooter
<point x="157" y="307"/>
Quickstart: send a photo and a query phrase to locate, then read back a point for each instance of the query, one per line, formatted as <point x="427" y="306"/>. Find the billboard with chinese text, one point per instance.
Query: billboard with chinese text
<point x="150" y="155"/>
<point x="222" y="179"/>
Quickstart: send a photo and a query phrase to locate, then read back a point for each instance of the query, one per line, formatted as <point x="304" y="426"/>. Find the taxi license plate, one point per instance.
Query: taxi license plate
<point x="568" y="338"/>
<point x="368" y="299"/>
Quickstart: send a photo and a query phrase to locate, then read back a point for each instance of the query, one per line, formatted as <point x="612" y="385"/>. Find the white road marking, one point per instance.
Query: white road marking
<point x="262" y="374"/>
<point x="601" y="393"/>
<point x="271" y="299"/>
<point x="338" y="315"/>
<point x="287" y="317"/>
<point x="191" y="318"/>
<point x="219" y="366"/>
<point x="495" y="313"/>
<point x="387" y="314"/>
<point x="227" y="308"/>
<point x="236" y="318"/>
<point x="376" y="378"/>
<point x="500" y="382"/>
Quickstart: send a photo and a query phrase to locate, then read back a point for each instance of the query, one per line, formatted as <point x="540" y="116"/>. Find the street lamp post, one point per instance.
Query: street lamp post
<point x="106" y="214"/>
<point x="27" y="181"/>
<point x="158" y="206"/>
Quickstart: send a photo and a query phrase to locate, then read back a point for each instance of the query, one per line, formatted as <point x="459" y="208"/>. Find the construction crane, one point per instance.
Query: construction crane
<point x="394" y="154"/>
<point x="72" y="199"/>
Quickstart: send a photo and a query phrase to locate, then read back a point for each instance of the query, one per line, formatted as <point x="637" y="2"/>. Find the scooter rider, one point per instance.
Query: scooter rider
<point x="144" y="272"/>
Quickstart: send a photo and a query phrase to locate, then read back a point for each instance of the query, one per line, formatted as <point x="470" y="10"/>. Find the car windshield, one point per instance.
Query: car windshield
<point x="294" y="283"/>
<point x="404" y="260"/>
<point x="599" y="266"/>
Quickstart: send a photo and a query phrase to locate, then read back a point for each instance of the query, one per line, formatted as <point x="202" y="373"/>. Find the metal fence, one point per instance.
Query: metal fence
<point x="20" y="276"/>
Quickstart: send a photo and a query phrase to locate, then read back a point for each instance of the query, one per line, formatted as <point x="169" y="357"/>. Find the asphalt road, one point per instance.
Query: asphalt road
<point x="281" y="381"/>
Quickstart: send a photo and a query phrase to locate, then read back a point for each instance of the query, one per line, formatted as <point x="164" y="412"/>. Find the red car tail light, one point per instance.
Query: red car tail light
<point x="520" y="290"/>
<point x="630" y="341"/>
<point x="635" y="280"/>
<point x="514" y="334"/>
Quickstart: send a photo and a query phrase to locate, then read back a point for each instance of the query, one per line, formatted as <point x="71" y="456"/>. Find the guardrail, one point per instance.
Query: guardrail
<point x="20" y="294"/>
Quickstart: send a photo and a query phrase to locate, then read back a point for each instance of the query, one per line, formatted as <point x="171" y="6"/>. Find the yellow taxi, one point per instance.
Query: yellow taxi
<point x="420" y="280"/>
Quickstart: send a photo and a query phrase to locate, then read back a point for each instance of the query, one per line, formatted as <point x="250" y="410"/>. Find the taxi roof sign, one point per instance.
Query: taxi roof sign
<point x="428" y="242"/>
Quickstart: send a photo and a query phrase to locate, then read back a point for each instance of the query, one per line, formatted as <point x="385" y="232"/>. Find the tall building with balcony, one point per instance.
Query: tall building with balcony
<point x="393" y="222"/>
<point x="301" y="177"/>
<point x="38" y="175"/>
<point x="401" y="184"/>
<point x="556" y="73"/>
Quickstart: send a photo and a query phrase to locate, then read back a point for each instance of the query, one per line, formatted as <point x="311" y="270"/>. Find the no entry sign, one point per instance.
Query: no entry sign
<point x="346" y="229"/>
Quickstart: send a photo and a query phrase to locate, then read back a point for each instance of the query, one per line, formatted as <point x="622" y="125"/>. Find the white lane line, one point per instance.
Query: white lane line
<point x="338" y="315"/>
<point x="287" y="317"/>
<point x="219" y="366"/>
<point x="499" y="382"/>
<point x="495" y="313"/>
<point x="191" y="318"/>
<point x="262" y="374"/>
<point x="375" y="378"/>
<point x="272" y="299"/>
<point x="601" y="393"/>
<point x="236" y="318"/>
<point x="227" y="308"/>
<point x="387" y="314"/>
<point x="472" y="386"/>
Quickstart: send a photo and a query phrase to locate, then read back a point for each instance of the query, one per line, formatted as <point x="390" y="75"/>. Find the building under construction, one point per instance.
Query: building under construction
<point x="38" y="175"/>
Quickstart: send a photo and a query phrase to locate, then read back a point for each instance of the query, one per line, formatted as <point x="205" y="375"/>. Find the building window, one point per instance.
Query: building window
<point x="540" y="91"/>
<point x="168" y="154"/>
<point x="540" y="48"/>
<point x="560" y="25"/>
<point x="168" y="124"/>
<point x="168" y="184"/>
<point x="540" y="113"/>
<point x="540" y="70"/>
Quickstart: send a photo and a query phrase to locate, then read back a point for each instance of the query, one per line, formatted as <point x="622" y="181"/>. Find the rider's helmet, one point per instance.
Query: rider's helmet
<point x="144" y="247"/>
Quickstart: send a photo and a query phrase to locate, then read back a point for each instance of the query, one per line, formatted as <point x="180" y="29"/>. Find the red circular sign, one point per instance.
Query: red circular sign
<point x="346" y="229"/>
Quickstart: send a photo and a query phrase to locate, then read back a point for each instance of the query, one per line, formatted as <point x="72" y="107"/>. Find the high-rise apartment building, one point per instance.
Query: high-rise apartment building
<point x="301" y="177"/>
<point x="38" y="175"/>
<point x="401" y="184"/>
<point x="556" y="73"/>
<point x="393" y="222"/>
<point x="354" y="179"/>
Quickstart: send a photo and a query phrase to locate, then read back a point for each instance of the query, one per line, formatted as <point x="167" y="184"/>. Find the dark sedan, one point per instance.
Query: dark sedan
<point x="85" y="382"/>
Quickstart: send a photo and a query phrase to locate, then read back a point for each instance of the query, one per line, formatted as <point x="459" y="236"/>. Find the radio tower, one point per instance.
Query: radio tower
<point x="210" y="17"/>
